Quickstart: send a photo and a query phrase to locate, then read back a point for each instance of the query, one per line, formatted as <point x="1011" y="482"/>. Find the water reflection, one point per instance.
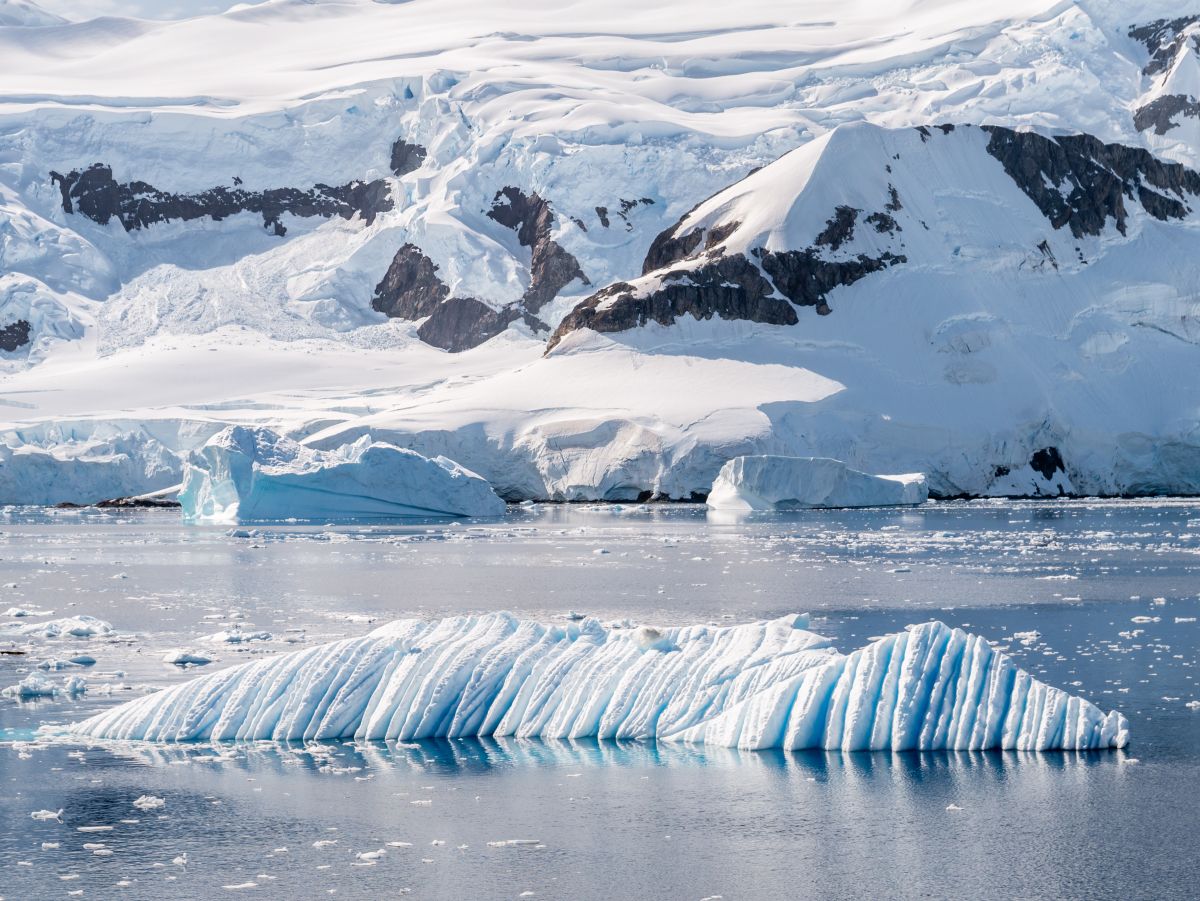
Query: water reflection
<point x="483" y="756"/>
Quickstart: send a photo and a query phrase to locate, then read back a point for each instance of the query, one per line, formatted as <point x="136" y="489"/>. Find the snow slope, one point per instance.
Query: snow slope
<point x="289" y="233"/>
<point x="762" y="685"/>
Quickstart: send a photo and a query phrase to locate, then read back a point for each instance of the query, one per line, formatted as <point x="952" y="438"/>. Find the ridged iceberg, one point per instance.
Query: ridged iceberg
<point x="759" y="483"/>
<point x="770" y="684"/>
<point x="255" y="475"/>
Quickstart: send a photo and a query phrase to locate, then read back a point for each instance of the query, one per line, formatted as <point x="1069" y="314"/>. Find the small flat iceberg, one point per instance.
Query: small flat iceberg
<point x="770" y="684"/>
<point x="254" y="475"/>
<point x="761" y="483"/>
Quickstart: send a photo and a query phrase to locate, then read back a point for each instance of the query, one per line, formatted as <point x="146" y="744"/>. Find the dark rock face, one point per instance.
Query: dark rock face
<point x="94" y="193"/>
<point x="464" y="322"/>
<point x="551" y="268"/>
<point x="668" y="248"/>
<point x="407" y="157"/>
<point x="731" y="287"/>
<point x="410" y="289"/>
<point x="1163" y="38"/>
<point x="806" y="280"/>
<point x="626" y="207"/>
<point x="767" y="288"/>
<point x="14" y="335"/>
<point x="1161" y="113"/>
<point x="839" y="228"/>
<point x="1047" y="462"/>
<point x="1096" y="179"/>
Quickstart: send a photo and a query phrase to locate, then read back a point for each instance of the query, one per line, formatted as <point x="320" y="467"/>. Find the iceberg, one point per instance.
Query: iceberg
<point x="769" y="684"/>
<point x="748" y="484"/>
<point x="255" y="475"/>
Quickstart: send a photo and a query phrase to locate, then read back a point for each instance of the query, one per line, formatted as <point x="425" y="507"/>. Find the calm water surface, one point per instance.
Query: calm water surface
<point x="613" y="820"/>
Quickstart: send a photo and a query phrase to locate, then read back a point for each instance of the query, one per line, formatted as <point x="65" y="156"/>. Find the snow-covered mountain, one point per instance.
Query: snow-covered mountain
<point x="597" y="251"/>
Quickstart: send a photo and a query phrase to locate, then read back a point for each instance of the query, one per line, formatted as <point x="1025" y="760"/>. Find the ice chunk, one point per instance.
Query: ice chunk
<point x="747" y="484"/>
<point x="71" y="627"/>
<point x="244" y="475"/>
<point x="769" y="684"/>
<point x="183" y="657"/>
<point x="35" y="685"/>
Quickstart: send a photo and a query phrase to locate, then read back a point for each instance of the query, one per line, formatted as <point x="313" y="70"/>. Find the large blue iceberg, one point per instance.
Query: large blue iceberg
<point x="255" y="475"/>
<point x="770" y="684"/>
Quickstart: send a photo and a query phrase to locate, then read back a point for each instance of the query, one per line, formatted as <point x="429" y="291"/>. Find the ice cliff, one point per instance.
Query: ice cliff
<point x="255" y="475"/>
<point x="770" y="684"/>
<point x="747" y="484"/>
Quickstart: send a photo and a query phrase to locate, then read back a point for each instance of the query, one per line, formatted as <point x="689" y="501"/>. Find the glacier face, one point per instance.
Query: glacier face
<point x="770" y="684"/>
<point x="255" y="475"/>
<point x="760" y="483"/>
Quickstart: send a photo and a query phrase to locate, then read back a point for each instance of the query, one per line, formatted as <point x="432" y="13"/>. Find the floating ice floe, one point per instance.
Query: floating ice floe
<point x="68" y="627"/>
<point x="761" y="483"/>
<point x="182" y="657"/>
<point x="247" y="475"/>
<point x="35" y="685"/>
<point x="770" y="684"/>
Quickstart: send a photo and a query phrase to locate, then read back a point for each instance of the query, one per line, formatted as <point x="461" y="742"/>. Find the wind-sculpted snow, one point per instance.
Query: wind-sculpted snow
<point x="770" y="684"/>
<point x="253" y="475"/>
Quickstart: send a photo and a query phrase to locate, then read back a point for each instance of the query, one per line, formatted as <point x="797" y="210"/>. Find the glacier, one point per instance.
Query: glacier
<point x="255" y="475"/>
<point x="765" y="482"/>
<point x="1013" y="289"/>
<point x="767" y="684"/>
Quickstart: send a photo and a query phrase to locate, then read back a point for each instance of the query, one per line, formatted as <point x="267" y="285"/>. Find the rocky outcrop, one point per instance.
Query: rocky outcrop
<point x="1079" y="182"/>
<point x="1160" y="114"/>
<point x="806" y="280"/>
<point x="94" y="192"/>
<point x="464" y="322"/>
<point x="731" y="287"/>
<point x="407" y="157"/>
<point x="1047" y="462"/>
<point x="15" y="335"/>
<point x="410" y="289"/>
<point x="551" y="268"/>
<point x="1164" y="38"/>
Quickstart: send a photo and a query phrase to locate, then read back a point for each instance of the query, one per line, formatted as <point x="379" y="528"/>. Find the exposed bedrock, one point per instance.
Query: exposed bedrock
<point x="731" y="287"/>
<point x="551" y="268"/>
<point x="407" y="157"/>
<point x="15" y="335"/>
<point x="94" y="192"/>
<point x="1164" y="38"/>
<point x="411" y="289"/>
<point x="1080" y="182"/>
<point x="1161" y="114"/>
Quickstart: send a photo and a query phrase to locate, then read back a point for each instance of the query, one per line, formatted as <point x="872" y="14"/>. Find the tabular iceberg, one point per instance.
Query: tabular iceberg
<point x="758" y="483"/>
<point x="255" y="475"/>
<point x="770" y="684"/>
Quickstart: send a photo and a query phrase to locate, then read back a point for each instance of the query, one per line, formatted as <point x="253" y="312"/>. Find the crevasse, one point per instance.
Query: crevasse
<point x="770" y="684"/>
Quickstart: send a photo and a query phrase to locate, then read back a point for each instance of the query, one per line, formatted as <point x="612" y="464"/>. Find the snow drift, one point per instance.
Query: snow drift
<point x="770" y="684"/>
<point x="786" y="483"/>
<point x="254" y="475"/>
